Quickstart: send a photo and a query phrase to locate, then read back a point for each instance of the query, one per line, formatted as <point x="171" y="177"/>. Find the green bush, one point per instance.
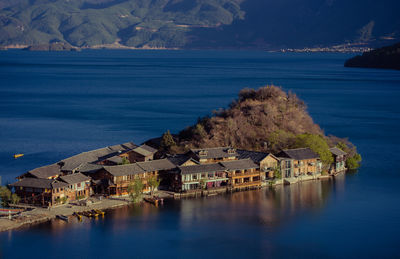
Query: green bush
<point x="7" y="197"/>
<point x="316" y="143"/>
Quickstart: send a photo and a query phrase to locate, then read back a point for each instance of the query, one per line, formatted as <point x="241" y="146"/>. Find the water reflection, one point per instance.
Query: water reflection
<point x="267" y="207"/>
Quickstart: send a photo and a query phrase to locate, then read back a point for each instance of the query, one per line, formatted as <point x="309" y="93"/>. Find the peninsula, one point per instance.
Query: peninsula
<point x="386" y="57"/>
<point x="264" y="138"/>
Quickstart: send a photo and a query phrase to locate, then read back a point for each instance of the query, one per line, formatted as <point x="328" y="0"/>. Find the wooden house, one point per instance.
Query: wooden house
<point x="305" y="161"/>
<point x="243" y="173"/>
<point x="39" y="191"/>
<point x="44" y="172"/>
<point x="49" y="192"/>
<point x="213" y="155"/>
<point x="197" y="177"/>
<point x="182" y="160"/>
<point x="339" y="160"/>
<point x="115" y="180"/>
<point x="78" y="186"/>
<point x="97" y="156"/>
<point x="142" y="153"/>
<point x="266" y="161"/>
<point x="286" y="166"/>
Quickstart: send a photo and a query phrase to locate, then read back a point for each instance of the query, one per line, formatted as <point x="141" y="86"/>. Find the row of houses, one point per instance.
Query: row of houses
<point x="110" y="171"/>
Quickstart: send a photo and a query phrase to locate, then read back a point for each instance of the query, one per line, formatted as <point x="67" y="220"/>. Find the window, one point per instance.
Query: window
<point x="79" y="185"/>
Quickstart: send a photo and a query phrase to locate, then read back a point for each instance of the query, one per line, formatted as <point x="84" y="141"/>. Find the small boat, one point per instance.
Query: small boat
<point x="94" y="213"/>
<point x="86" y="214"/>
<point x="62" y="217"/>
<point x="18" y="155"/>
<point x="100" y="212"/>
<point x="154" y="200"/>
<point x="78" y="215"/>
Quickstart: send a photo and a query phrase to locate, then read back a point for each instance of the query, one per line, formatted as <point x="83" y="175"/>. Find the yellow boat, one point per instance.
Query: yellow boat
<point x="100" y="212"/>
<point x="18" y="155"/>
<point x="94" y="213"/>
<point x="78" y="215"/>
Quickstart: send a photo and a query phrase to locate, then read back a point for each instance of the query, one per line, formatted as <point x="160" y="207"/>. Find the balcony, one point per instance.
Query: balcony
<point x="245" y="174"/>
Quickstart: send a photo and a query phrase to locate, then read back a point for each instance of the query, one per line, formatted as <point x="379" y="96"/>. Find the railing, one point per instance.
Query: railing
<point x="254" y="183"/>
<point x="245" y="174"/>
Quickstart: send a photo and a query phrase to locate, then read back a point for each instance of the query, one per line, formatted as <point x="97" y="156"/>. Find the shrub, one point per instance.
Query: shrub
<point x="316" y="143"/>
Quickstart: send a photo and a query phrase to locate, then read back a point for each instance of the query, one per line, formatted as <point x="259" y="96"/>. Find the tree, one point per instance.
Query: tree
<point x="7" y="197"/>
<point x="125" y="161"/>
<point x="316" y="143"/>
<point x="277" y="172"/>
<point x="153" y="182"/>
<point x="167" y="141"/>
<point x="135" y="190"/>
<point x="353" y="159"/>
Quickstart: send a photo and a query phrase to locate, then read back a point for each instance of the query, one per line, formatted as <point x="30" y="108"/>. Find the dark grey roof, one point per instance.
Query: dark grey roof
<point x="239" y="164"/>
<point x="156" y="165"/>
<point x="299" y="153"/>
<point x="337" y="152"/>
<point x="180" y="159"/>
<point x="255" y="156"/>
<point x="39" y="183"/>
<point x="121" y="170"/>
<point x="74" y="178"/>
<point x="205" y="168"/>
<point x="46" y="171"/>
<point x="216" y="152"/>
<point x="89" y="168"/>
<point x="145" y="150"/>
<point x="115" y="159"/>
<point x="93" y="156"/>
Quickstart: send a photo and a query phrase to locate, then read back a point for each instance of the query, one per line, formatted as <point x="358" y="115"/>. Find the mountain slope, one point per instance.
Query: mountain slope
<point x="264" y="24"/>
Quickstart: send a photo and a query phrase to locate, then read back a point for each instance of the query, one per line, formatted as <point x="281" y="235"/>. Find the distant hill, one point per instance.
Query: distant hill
<point x="386" y="57"/>
<point x="262" y="24"/>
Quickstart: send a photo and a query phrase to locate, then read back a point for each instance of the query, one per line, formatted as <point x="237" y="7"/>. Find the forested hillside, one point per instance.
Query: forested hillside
<point x="263" y="24"/>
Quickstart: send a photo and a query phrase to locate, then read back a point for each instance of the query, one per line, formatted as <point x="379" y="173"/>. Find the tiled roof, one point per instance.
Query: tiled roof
<point x="337" y="152"/>
<point x="121" y="170"/>
<point x="156" y="165"/>
<point x="97" y="155"/>
<point x="180" y="159"/>
<point x="46" y="171"/>
<point x="239" y="164"/>
<point x="89" y="168"/>
<point x="74" y="178"/>
<point x="255" y="156"/>
<point x="299" y="153"/>
<point x="205" y="168"/>
<point x="115" y="159"/>
<point x="39" y="183"/>
<point x="217" y="152"/>
<point x="145" y="150"/>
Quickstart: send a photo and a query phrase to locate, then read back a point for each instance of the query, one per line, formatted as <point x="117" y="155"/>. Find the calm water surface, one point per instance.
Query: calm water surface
<point x="53" y="105"/>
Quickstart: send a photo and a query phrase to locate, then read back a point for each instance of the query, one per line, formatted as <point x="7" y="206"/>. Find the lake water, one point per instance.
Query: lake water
<point x="54" y="105"/>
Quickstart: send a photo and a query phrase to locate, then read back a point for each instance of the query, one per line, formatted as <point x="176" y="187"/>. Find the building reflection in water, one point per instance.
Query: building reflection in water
<point x="266" y="207"/>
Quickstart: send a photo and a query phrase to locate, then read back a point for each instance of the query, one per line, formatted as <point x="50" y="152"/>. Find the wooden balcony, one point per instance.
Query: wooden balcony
<point x="249" y="174"/>
<point x="247" y="185"/>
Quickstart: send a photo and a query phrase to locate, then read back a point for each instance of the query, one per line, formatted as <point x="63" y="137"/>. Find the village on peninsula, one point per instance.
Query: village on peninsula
<point x="110" y="177"/>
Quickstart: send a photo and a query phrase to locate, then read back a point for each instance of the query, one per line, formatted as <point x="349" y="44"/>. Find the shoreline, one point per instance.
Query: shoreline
<point x="123" y="47"/>
<point x="40" y="215"/>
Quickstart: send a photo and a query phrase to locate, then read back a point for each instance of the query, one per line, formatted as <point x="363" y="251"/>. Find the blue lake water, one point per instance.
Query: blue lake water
<point x="53" y="105"/>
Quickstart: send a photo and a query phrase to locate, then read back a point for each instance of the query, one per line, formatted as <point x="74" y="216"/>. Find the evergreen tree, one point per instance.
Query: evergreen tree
<point x="167" y="141"/>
